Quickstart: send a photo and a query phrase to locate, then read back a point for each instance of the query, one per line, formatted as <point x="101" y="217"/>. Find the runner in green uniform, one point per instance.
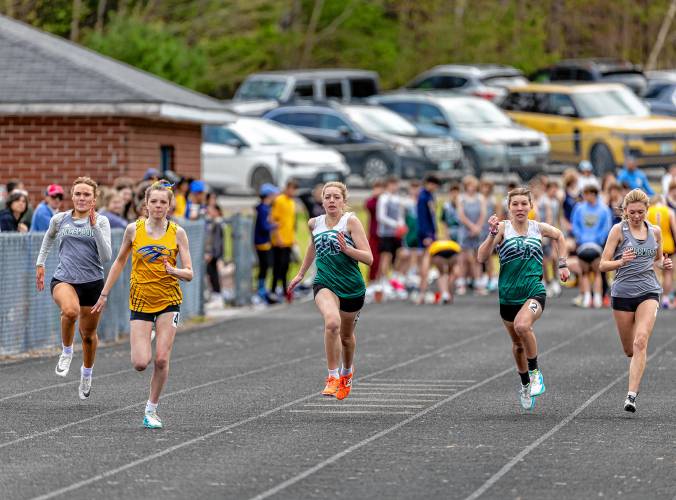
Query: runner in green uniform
<point x="339" y="242"/>
<point x="520" y="288"/>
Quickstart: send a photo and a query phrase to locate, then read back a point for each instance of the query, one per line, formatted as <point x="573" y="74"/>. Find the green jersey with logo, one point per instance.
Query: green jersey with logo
<point x="335" y="270"/>
<point x="520" y="265"/>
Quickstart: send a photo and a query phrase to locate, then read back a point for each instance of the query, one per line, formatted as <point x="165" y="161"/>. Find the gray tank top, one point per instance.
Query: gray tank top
<point x="637" y="277"/>
<point x="83" y="249"/>
<point x="472" y="208"/>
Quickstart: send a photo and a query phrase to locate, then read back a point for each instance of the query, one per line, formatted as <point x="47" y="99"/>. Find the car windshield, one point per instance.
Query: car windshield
<point x="380" y="120"/>
<point x="260" y="89"/>
<point x="505" y="80"/>
<point x="616" y="102"/>
<point x="474" y="112"/>
<point x="265" y="133"/>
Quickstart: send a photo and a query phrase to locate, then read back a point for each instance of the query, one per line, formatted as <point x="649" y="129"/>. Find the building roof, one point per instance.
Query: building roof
<point x="42" y="74"/>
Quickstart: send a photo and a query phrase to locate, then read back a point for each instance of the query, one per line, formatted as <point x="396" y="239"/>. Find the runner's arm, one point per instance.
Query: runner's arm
<point x="559" y="247"/>
<point x="117" y="267"/>
<point x="102" y="236"/>
<point x="607" y="258"/>
<point x="492" y="240"/>
<point x="183" y="273"/>
<point x="49" y="239"/>
<point x="361" y="251"/>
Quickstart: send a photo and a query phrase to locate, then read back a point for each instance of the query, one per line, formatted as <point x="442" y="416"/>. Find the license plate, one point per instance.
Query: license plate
<point x="667" y="148"/>
<point x="527" y="160"/>
<point x="445" y="165"/>
<point x="330" y="176"/>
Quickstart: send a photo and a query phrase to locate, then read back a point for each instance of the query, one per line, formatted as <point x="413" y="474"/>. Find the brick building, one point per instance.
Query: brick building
<point x="67" y="111"/>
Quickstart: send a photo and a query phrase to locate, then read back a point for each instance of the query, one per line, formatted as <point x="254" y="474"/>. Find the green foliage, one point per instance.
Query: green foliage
<point x="150" y="46"/>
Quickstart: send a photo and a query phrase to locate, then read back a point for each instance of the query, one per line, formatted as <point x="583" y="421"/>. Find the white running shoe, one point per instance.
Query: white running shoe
<point x="152" y="421"/>
<point x="537" y="383"/>
<point x="63" y="366"/>
<point x="555" y="288"/>
<point x="587" y="301"/>
<point x="85" y="387"/>
<point x="630" y="403"/>
<point x="527" y="401"/>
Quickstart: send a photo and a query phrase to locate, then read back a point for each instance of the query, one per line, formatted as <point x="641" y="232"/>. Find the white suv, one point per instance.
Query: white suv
<point x="249" y="152"/>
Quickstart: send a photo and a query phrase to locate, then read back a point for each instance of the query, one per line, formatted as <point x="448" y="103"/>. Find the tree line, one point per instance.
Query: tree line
<point x="212" y="45"/>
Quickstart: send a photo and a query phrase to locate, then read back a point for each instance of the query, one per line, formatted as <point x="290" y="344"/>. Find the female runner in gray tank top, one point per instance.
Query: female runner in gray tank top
<point x="632" y="250"/>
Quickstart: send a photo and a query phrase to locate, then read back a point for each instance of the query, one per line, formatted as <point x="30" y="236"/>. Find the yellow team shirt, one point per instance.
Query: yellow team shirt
<point x="181" y="204"/>
<point x="151" y="288"/>
<point x="283" y="214"/>
<point x="659" y="216"/>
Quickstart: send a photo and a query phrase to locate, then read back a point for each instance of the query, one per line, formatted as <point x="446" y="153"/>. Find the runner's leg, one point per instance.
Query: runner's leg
<point x="165" y="326"/>
<point x="139" y="340"/>
<point x="646" y="313"/>
<point x="90" y="340"/>
<point x="328" y="305"/>
<point x="69" y="304"/>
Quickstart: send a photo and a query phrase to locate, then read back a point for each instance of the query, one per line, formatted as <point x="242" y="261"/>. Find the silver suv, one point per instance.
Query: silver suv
<point x="490" y="140"/>
<point x="481" y="80"/>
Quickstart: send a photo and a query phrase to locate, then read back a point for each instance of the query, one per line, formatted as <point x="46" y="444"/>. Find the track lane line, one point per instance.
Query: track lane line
<point x="522" y="454"/>
<point x="308" y="472"/>
<point x="245" y="421"/>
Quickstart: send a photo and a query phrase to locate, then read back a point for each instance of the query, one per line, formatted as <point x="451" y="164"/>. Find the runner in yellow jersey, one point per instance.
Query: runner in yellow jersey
<point x="659" y="214"/>
<point x="155" y="295"/>
<point x="442" y="254"/>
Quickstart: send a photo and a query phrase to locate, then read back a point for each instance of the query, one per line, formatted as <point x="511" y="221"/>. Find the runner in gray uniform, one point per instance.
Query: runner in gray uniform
<point x="83" y="239"/>
<point x="633" y="248"/>
<point x="472" y="215"/>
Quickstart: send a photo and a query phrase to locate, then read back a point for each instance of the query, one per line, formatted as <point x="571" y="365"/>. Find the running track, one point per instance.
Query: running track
<point x="433" y="414"/>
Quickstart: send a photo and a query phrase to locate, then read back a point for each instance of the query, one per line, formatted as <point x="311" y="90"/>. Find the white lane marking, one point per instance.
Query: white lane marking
<point x="308" y="472"/>
<point x="356" y="392"/>
<point x="412" y="386"/>
<point x="521" y="455"/>
<point x="436" y="381"/>
<point x="383" y="388"/>
<point x="365" y="405"/>
<point x="347" y="412"/>
<point x="390" y="400"/>
<point x="226" y="428"/>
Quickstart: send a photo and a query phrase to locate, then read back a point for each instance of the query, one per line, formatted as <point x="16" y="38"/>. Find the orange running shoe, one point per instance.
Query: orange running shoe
<point x="331" y="388"/>
<point x="344" y="386"/>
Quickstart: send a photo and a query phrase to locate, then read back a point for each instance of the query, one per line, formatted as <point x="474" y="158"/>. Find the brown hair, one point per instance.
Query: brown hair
<point x="342" y="187"/>
<point x="519" y="192"/>
<point x="85" y="180"/>
<point x="635" y="196"/>
<point x="470" y="179"/>
<point x="672" y="185"/>
<point x="163" y="186"/>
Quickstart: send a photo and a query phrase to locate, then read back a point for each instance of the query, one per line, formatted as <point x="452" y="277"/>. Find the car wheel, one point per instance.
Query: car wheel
<point x="260" y="176"/>
<point x="375" y="167"/>
<point x="471" y="163"/>
<point x="602" y="160"/>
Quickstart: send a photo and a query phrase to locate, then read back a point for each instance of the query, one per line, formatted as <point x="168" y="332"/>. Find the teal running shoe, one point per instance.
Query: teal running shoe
<point x="152" y="421"/>
<point x="537" y="383"/>
<point x="527" y="401"/>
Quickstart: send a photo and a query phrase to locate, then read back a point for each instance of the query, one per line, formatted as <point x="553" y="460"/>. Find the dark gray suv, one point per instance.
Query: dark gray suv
<point x="492" y="142"/>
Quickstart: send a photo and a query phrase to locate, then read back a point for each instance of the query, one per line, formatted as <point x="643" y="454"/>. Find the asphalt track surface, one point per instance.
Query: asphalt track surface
<point x="433" y="414"/>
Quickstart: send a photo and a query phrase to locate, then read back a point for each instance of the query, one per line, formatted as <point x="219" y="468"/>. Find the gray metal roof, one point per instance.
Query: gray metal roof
<point x="40" y="68"/>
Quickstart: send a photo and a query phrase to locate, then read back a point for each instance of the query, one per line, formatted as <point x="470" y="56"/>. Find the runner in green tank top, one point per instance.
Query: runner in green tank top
<point x="338" y="244"/>
<point x="520" y="288"/>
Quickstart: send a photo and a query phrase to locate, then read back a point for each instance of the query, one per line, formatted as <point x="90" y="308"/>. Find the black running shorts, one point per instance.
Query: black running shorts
<point x="630" y="304"/>
<point x="87" y="293"/>
<point x="508" y="312"/>
<point x="346" y="305"/>
<point x="152" y="317"/>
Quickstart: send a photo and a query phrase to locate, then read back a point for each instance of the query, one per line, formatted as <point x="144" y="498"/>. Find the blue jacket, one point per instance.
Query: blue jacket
<point x="263" y="225"/>
<point x="426" y="223"/>
<point x="635" y="179"/>
<point x="41" y="217"/>
<point x="591" y="223"/>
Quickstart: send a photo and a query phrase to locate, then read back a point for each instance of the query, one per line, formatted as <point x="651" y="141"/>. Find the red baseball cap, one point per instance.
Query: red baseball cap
<point x="54" y="189"/>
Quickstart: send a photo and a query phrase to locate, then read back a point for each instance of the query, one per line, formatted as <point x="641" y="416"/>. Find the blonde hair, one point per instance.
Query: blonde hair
<point x="163" y="186"/>
<point x="470" y="179"/>
<point x="85" y="180"/>
<point x="635" y="196"/>
<point x="342" y="187"/>
<point x="519" y="192"/>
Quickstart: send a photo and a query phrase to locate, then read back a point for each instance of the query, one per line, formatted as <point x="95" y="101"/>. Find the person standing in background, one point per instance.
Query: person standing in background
<point x="113" y="210"/>
<point x="180" y="199"/>
<point x="283" y="215"/>
<point x="262" y="237"/>
<point x="633" y="177"/>
<point x="370" y="204"/>
<point x="213" y="246"/>
<point x="47" y="208"/>
<point x="196" y="205"/>
<point x="391" y="228"/>
<point x="12" y="216"/>
<point x="668" y="178"/>
<point x="660" y="215"/>
<point x="426" y="209"/>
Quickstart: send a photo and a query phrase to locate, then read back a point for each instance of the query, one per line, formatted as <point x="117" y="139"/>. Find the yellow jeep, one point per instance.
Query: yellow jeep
<point x="601" y="123"/>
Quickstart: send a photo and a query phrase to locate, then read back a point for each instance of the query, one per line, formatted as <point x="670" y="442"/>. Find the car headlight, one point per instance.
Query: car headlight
<point x="405" y="150"/>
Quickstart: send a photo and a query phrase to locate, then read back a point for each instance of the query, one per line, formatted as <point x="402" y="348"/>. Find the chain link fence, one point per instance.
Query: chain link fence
<point x="30" y="320"/>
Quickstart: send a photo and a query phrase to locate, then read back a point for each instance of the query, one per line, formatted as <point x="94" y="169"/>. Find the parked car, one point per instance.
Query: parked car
<point x="661" y="94"/>
<point x="481" y="80"/>
<point x="490" y="139"/>
<point x="375" y="141"/>
<point x="262" y="92"/>
<point x="605" y="70"/>
<point x="599" y="122"/>
<point x="249" y="152"/>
